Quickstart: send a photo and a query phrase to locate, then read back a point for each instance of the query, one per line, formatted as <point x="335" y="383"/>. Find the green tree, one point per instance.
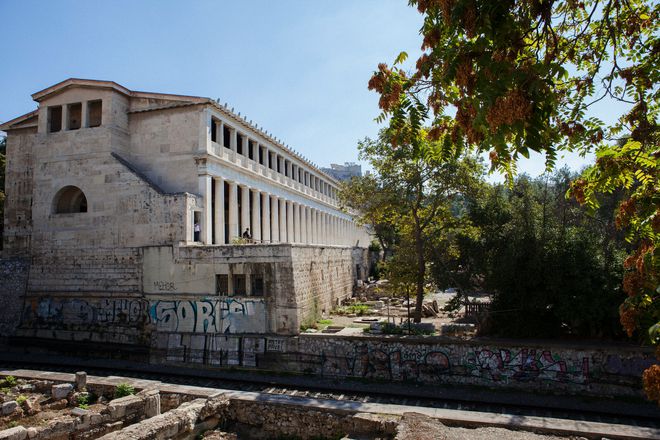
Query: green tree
<point x="555" y="269"/>
<point x="376" y="205"/>
<point x="416" y="185"/>
<point x="3" y="164"/>
<point x="514" y="76"/>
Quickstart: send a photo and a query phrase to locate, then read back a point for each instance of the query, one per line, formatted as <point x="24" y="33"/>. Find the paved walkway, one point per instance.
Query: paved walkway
<point x="448" y="416"/>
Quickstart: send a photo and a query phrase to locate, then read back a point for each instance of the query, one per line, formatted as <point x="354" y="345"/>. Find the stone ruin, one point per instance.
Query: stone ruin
<point x="53" y="411"/>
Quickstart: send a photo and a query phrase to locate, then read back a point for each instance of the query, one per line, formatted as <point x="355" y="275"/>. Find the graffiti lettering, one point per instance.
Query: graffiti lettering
<point x="228" y="315"/>
<point x="165" y="286"/>
<point x="525" y="366"/>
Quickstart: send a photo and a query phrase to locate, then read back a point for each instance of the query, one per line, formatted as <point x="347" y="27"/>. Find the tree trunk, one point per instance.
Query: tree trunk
<point x="421" y="272"/>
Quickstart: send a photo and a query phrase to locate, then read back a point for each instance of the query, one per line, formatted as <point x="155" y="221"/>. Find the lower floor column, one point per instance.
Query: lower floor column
<point x="303" y="225"/>
<point x="233" y="211"/>
<point x="297" y="227"/>
<point x="283" y="216"/>
<point x="205" y="182"/>
<point x="289" y="222"/>
<point x="256" y="217"/>
<point x="219" y="208"/>
<point x="265" y="216"/>
<point x="274" y="219"/>
<point x="245" y="210"/>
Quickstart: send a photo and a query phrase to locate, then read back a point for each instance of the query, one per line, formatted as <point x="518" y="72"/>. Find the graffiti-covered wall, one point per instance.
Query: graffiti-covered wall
<point x="549" y="366"/>
<point x="133" y="320"/>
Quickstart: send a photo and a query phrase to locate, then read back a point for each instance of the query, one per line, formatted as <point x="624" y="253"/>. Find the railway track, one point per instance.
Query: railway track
<point x="649" y="420"/>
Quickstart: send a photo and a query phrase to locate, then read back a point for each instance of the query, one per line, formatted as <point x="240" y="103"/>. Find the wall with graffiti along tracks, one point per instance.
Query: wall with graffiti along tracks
<point x="548" y="366"/>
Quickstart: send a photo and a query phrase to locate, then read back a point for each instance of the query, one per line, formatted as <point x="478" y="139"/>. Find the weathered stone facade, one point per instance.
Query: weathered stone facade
<point x="127" y="206"/>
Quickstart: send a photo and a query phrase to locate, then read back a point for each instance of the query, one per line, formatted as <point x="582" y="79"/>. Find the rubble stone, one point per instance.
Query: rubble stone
<point x="61" y="391"/>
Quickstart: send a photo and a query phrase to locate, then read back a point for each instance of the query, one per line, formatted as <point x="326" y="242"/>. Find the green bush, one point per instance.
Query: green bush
<point x="83" y="400"/>
<point x="10" y="381"/>
<point x="123" y="390"/>
<point x="20" y="399"/>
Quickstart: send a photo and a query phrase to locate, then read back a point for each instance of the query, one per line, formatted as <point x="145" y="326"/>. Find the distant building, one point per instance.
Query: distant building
<point x="343" y="172"/>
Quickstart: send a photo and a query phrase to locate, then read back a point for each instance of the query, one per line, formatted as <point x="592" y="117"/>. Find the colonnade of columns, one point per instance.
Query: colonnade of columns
<point x="230" y="208"/>
<point x="241" y="143"/>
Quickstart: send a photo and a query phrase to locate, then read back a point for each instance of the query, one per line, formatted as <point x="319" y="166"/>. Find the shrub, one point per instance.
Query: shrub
<point x="20" y="399"/>
<point x="10" y="381"/>
<point x="83" y="400"/>
<point x="123" y="390"/>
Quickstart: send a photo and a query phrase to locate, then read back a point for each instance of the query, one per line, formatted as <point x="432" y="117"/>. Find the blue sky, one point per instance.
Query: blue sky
<point x="297" y="68"/>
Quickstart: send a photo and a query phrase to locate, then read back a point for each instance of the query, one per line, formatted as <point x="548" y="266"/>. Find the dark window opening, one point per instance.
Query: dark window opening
<point x="222" y="285"/>
<point x="197" y="230"/>
<point x="214" y="131"/>
<point x="94" y="112"/>
<point x="69" y="200"/>
<point x="54" y="119"/>
<point x="75" y="116"/>
<point x="286" y="168"/>
<point x="239" y="285"/>
<point x="279" y="170"/>
<point x="261" y="156"/>
<point x="226" y="135"/>
<point x="250" y="149"/>
<point x="239" y="143"/>
<point x="257" y="285"/>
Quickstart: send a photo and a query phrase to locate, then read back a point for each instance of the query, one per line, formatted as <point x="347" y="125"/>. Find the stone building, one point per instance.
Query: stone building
<point x="106" y="188"/>
<point x="343" y="172"/>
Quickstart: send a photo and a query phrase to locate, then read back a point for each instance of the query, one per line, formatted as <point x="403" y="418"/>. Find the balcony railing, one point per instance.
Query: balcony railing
<point x="244" y="162"/>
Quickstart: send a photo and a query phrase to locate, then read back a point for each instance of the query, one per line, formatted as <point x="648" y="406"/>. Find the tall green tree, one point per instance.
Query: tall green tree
<point x="514" y="76"/>
<point x="3" y="164"/>
<point x="416" y="185"/>
<point x="377" y="206"/>
<point x="554" y="269"/>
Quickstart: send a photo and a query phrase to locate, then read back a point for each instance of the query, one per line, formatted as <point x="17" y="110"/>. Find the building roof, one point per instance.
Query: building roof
<point x="16" y="121"/>
<point x="183" y="100"/>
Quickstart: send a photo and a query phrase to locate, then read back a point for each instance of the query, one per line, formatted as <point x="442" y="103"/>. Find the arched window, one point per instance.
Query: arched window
<point x="68" y="200"/>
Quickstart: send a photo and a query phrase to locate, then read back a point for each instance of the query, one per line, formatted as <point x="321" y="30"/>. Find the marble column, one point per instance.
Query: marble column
<point x="205" y="182"/>
<point x="315" y="228"/>
<point x="256" y="218"/>
<point x="283" y="217"/>
<point x="233" y="139"/>
<point x="303" y="225"/>
<point x="233" y="211"/>
<point x="265" y="217"/>
<point x="275" y="219"/>
<point x="290" y="222"/>
<point x="219" y="229"/>
<point x="245" y="209"/>
<point x="298" y="225"/>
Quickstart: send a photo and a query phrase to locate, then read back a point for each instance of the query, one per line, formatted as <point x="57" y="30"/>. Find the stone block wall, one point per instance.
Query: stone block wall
<point x="18" y="190"/>
<point x="322" y="277"/>
<point x="13" y="282"/>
